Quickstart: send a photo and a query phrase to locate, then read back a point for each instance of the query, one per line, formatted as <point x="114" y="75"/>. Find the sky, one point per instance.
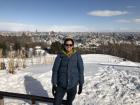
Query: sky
<point x="70" y="15"/>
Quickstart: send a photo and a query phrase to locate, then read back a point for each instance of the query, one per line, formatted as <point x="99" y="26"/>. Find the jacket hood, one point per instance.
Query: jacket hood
<point x="65" y="53"/>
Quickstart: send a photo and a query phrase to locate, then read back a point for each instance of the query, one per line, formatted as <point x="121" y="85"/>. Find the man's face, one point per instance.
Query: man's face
<point x="68" y="46"/>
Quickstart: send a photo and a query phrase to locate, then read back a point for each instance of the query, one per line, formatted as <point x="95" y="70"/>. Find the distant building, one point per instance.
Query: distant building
<point x="39" y="51"/>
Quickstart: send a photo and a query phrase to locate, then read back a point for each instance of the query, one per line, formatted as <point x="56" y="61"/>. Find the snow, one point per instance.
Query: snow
<point x="128" y="63"/>
<point x="100" y="58"/>
<point x="111" y="87"/>
<point x="104" y="84"/>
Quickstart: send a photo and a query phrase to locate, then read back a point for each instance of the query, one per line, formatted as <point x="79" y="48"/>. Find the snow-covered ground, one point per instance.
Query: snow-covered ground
<point x="108" y="81"/>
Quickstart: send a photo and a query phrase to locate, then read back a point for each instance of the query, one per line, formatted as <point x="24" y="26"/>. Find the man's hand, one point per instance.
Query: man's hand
<point x="80" y="89"/>
<point x="54" y="90"/>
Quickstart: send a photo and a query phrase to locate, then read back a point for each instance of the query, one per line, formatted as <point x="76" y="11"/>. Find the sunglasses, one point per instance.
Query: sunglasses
<point x="69" y="45"/>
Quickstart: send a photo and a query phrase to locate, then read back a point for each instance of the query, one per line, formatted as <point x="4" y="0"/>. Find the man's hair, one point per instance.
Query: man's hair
<point x="68" y="39"/>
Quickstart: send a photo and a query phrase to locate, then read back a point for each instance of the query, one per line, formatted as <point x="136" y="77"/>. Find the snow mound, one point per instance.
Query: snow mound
<point x="25" y="83"/>
<point x="108" y="87"/>
<point x="100" y="58"/>
<point x="111" y="87"/>
<point x="128" y="63"/>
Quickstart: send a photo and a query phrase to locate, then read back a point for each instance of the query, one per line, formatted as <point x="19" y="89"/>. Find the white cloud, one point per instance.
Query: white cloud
<point x="130" y="6"/>
<point x="107" y="13"/>
<point x="5" y="26"/>
<point x="136" y="20"/>
<point x="128" y="29"/>
<point x="123" y="21"/>
<point x="74" y="28"/>
<point x="129" y="21"/>
<point x="15" y="27"/>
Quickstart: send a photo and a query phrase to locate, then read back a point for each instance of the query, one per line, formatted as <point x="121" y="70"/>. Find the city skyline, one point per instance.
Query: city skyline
<point x="70" y="15"/>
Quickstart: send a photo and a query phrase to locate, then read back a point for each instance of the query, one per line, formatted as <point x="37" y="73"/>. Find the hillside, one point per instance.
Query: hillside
<point x="108" y="81"/>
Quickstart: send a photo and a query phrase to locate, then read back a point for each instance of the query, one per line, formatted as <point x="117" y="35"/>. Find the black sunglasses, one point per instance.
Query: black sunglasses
<point x="68" y="44"/>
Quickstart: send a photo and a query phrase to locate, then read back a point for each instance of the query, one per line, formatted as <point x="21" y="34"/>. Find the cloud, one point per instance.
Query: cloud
<point x="123" y="21"/>
<point x="136" y="20"/>
<point x="57" y="28"/>
<point x="128" y="29"/>
<point x="107" y="13"/>
<point x="6" y="26"/>
<point x="129" y="21"/>
<point x="130" y="6"/>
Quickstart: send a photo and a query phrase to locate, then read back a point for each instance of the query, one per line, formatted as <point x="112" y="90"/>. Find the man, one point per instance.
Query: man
<point x="67" y="73"/>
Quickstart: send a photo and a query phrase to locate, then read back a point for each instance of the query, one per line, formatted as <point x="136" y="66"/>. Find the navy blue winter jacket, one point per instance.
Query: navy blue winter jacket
<point x="67" y="71"/>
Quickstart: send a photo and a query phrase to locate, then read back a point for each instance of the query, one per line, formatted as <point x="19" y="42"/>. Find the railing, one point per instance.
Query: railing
<point x="33" y="98"/>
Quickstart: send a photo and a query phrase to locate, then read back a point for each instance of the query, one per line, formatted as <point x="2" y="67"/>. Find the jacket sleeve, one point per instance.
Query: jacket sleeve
<point x="80" y="69"/>
<point x="55" y="69"/>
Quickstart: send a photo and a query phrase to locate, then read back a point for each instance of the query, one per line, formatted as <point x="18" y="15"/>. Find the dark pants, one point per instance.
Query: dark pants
<point x="60" y="92"/>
